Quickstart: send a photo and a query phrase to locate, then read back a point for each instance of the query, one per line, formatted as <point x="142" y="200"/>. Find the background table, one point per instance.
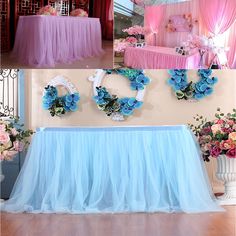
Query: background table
<point x="152" y="57"/>
<point x="46" y="40"/>
<point x="125" y="169"/>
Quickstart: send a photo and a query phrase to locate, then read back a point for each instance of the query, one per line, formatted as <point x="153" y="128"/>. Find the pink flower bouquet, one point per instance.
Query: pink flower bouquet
<point x="217" y="137"/>
<point x="135" y="30"/>
<point x="121" y="44"/>
<point x="47" y="10"/>
<point x="131" y="40"/>
<point x="12" y="140"/>
<point x="79" y="12"/>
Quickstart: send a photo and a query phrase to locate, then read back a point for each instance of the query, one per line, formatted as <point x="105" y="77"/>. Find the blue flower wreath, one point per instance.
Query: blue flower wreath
<point x="111" y="104"/>
<point x="189" y="90"/>
<point x="59" y="105"/>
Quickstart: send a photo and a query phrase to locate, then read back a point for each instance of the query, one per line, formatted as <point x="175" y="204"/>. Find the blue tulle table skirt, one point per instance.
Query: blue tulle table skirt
<point x="117" y="169"/>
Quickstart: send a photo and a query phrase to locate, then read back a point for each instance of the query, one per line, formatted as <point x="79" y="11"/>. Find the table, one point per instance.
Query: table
<point x="47" y="40"/>
<point x="112" y="169"/>
<point x="153" y="57"/>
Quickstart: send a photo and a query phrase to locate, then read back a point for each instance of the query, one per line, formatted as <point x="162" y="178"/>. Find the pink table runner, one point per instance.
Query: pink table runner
<point x="47" y="40"/>
<point x="151" y="57"/>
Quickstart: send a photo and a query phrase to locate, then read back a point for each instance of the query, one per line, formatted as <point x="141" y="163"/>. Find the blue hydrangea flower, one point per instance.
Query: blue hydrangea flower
<point x="198" y="96"/>
<point x="139" y="82"/>
<point x="128" y="105"/>
<point x="47" y="103"/>
<point x="102" y="96"/>
<point x="49" y="97"/>
<point x="143" y="79"/>
<point x="70" y="102"/>
<point x="208" y="91"/>
<point x="129" y="73"/>
<point x="204" y="72"/>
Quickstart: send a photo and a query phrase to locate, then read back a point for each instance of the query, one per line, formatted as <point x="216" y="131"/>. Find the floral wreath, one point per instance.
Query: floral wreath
<point x="60" y="105"/>
<point x="119" y="108"/>
<point x="190" y="90"/>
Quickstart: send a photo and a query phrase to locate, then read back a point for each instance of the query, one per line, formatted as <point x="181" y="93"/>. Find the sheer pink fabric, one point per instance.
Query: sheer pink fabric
<point x="158" y="16"/>
<point x="152" y="21"/>
<point x="47" y="40"/>
<point x="152" y="57"/>
<point x="218" y="15"/>
<point x="232" y="50"/>
<point x="225" y="16"/>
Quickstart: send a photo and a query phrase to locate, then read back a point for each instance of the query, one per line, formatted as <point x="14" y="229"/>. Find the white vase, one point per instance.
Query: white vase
<point x="226" y="172"/>
<point x="1" y="178"/>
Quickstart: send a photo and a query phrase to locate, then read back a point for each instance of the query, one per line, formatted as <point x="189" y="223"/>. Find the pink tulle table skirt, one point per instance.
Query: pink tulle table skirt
<point x="47" y="40"/>
<point x="152" y="57"/>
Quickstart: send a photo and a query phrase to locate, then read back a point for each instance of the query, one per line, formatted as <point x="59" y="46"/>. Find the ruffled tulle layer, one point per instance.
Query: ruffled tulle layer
<point x="128" y="169"/>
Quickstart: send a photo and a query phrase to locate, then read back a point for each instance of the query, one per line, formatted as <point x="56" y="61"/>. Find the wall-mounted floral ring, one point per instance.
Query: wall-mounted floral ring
<point x="189" y="90"/>
<point x="60" y="105"/>
<point x="119" y="108"/>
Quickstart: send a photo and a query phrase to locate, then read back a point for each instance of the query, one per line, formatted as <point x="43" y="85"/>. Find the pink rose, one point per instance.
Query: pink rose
<point x="4" y="137"/>
<point x="226" y="144"/>
<point x="231" y="153"/>
<point x="230" y="122"/>
<point x="215" y="151"/>
<point x="220" y="122"/>
<point x="232" y="136"/>
<point x="131" y="40"/>
<point x="206" y="130"/>
<point x="18" y="146"/>
<point x="2" y="128"/>
<point x="226" y="130"/>
<point x="216" y="128"/>
<point x="14" y="132"/>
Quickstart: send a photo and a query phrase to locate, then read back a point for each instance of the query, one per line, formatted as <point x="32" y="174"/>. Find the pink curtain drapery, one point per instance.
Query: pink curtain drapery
<point x="157" y="17"/>
<point x="221" y="10"/>
<point x="152" y="21"/>
<point x="218" y="15"/>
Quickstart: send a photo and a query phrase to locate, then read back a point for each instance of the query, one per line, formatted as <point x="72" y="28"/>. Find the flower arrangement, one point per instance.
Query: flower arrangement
<point x="13" y="138"/>
<point x="121" y="44"/>
<point x="137" y="31"/>
<point x="79" y="12"/>
<point x="131" y="40"/>
<point x="113" y="105"/>
<point x="217" y="137"/>
<point x="47" y="10"/>
<point x="189" y="90"/>
<point x="59" y="105"/>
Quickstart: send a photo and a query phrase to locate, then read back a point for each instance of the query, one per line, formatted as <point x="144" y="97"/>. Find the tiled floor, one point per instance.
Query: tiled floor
<point x="103" y="61"/>
<point x="158" y="224"/>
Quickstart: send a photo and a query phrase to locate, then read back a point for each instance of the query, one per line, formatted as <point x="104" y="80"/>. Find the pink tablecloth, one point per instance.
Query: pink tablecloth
<point x="151" y="57"/>
<point x="47" y="40"/>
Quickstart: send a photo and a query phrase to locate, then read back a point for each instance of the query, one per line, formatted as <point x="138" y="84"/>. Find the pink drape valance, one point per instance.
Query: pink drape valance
<point x="218" y="15"/>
